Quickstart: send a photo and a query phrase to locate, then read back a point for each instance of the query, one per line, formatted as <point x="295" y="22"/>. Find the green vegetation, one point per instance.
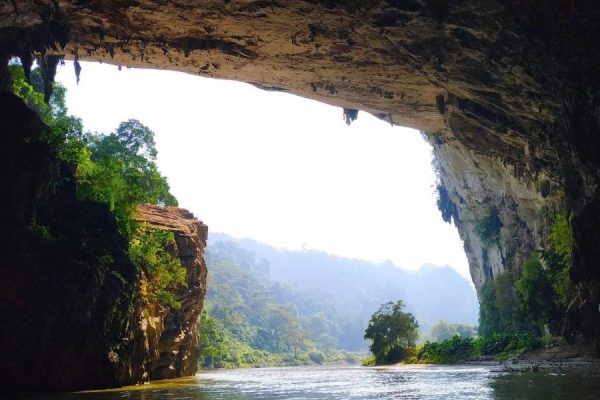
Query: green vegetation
<point x="443" y="330"/>
<point x="118" y="170"/>
<point x="458" y="349"/>
<point x="535" y="300"/>
<point x="392" y="332"/>
<point x="164" y="273"/>
<point x="517" y="308"/>
<point x="488" y="228"/>
<point x="249" y="320"/>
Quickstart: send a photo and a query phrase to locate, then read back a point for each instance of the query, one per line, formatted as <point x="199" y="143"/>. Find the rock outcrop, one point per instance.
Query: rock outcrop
<point x="169" y="338"/>
<point x="70" y="309"/>
<point x="507" y="90"/>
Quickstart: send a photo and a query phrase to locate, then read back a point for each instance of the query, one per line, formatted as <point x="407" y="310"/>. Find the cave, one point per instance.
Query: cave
<point x="506" y="91"/>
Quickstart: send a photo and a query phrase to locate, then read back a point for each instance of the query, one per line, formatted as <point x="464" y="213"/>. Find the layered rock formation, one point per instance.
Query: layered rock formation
<point x="167" y="338"/>
<point x="508" y="91"/>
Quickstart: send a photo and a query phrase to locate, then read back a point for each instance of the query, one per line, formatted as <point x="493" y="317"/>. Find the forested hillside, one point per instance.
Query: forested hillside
<point x="250" y="320"/>
<point x="331" y="298"/>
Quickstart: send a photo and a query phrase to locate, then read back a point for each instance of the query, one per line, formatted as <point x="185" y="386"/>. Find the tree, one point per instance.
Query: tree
<point x="391" y="331"/>
<point x="489" y="317"/>
<point x="441" y="331"/>
<point x="120" y="170"/>
<point x="535" y="291"/>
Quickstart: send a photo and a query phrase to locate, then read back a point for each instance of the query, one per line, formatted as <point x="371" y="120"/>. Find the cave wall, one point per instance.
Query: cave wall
<point x="507" y="91"/>
<point x="70" y="307"/>
<point x="64" y="312"/>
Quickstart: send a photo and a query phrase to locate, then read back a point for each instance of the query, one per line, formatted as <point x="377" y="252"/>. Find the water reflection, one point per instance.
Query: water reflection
<point x="357" y="383"/>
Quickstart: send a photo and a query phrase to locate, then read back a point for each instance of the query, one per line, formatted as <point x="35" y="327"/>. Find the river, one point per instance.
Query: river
<point x="358" y="383"/>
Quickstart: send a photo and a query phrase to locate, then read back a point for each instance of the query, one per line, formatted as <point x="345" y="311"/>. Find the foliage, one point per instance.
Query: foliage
<point x="450" y="351"/>
<point x="367" y="362"/>
<point x="508" y="342"/>
<point x="252" y="315"/>
<point x="148" y="250"/>
<point x="459" y="349"/>
<point x="66" y="131"/>
<point x="489" y="226"/>
<point x="391" y="331"/>
<point x="537" y="297"/>
<point x="558" y="257"/>
<point x="120" y="170"/>
<point x="489" y="320"/>
<point x="443" y="330"/>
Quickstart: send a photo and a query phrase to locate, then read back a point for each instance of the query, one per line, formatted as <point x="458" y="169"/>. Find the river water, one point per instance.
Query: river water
<point x="358" y="383"/>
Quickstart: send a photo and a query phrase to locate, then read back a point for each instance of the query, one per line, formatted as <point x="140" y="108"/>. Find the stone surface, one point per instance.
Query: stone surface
<point x="171" y="336"/>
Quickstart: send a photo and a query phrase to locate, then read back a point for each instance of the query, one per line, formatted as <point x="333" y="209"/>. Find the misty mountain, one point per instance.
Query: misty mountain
<point x="356" y="288"/>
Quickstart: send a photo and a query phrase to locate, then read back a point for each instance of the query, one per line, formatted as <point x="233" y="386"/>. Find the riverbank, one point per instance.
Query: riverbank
<point x="559" y="358"/>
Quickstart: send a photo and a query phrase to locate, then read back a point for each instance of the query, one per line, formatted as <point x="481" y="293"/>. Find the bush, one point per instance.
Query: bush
<point x="165" y="274"/>
<point x="513" y="342"/>
<point x="368" y="361"/>
<point x="315" y="357"/>
<point x="449" y="351"/>
<point x="488" y="228"/>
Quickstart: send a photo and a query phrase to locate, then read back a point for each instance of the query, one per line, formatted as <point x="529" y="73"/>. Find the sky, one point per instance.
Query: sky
<point x="279" y="168"/>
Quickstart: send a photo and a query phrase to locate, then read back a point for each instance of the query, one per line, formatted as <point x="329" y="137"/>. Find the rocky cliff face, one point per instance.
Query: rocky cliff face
<point x="508" y="90"/>
<point x="167" y="338"/>
<point x="70" y="319"/>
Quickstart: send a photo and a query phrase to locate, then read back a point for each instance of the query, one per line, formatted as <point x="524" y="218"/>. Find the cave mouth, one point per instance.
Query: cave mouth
<point x="278" y="168"/>
<point x="510" y="91"/>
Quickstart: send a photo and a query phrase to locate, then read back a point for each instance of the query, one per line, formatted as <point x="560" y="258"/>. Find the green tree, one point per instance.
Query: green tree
<point x="391" y="331"/>
<point x="489" y="317"/>
<point x="120" y="170"/>
<point x="441" y="331"/>
<point x="507" y="301"/>
<point x="538" y="300"/>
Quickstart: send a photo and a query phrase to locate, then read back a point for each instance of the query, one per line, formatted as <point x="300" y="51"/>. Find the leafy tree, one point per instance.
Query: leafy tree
<point x="558" y="257"/>
<point x="507" y="301"/>
<point x="391" y="330"/>
<point x="120" y="170"/>
<point x="538" y="300"/>
<point x="66" y="131"/>
<point x="489" y="316"/>
<point x="441" y="331"/>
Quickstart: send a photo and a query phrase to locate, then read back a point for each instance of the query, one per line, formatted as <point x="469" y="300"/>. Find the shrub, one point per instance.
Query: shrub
<point x="148" y="251"/>
<point x="316" y="357"/>
<point x="368" y="361"/>
<point x="488" y="228"/>
<point x="513" y="342"/>
<point x="454" y="350"/>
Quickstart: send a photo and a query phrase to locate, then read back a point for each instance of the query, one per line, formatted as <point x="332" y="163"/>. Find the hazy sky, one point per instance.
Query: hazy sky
<point x="279" y="168"/>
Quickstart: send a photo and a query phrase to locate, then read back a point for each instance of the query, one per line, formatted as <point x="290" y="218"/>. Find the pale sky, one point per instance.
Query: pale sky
<point x="278" y="168"/>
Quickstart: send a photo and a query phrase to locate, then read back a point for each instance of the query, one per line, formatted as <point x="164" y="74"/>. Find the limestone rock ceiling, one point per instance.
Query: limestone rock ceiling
<point x="457" y="69"/>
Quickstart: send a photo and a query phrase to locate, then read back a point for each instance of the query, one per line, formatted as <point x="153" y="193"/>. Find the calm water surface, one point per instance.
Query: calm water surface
<point x="358" y="383"/>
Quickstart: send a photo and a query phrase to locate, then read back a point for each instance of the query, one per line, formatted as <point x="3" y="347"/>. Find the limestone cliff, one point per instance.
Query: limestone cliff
<point x="168" y="338"/>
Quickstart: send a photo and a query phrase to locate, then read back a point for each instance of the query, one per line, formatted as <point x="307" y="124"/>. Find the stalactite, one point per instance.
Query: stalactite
<point x="77" y="70"/>
<point x="48" y="66"/>
<point x="26" y="62"/>
<point x="350" y="115"/>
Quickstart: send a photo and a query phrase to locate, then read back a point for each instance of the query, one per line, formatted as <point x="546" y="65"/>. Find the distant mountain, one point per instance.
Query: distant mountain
<point x="357" y="288"/>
